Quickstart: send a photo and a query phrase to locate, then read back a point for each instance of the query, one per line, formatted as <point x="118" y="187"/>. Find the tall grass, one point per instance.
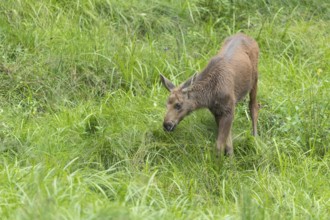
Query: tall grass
<point x="82" y="107"/>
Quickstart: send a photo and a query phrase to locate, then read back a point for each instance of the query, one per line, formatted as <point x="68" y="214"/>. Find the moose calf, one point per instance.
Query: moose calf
<point x="227" y="78"/>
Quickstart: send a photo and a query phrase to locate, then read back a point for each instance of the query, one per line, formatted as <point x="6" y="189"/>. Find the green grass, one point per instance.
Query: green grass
<point x="81" y="111"/>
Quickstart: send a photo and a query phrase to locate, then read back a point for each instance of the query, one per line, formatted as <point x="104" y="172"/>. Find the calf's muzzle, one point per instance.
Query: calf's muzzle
<point x="169" y="126"/>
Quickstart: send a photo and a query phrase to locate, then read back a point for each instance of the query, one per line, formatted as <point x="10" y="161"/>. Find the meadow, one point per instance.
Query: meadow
<point x="82" y="106"/>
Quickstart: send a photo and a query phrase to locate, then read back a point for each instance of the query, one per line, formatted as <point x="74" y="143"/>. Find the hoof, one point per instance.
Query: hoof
<point x="229" y="152"/>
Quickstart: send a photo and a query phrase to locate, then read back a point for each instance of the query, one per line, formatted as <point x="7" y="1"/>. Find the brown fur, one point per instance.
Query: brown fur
<point x="227" y="78"/>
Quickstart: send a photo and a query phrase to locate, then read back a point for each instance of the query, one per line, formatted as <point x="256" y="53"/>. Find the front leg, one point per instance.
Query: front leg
<point x="224" y="122"/>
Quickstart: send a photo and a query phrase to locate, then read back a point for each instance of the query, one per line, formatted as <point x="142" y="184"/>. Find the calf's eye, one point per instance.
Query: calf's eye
<point x="177" y="106"/>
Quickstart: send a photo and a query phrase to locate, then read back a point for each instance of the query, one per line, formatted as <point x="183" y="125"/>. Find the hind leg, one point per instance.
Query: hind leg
<point x="253" y="105"/>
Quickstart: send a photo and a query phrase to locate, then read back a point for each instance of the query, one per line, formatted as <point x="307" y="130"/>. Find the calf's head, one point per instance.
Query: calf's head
<point x="178" y="104"/>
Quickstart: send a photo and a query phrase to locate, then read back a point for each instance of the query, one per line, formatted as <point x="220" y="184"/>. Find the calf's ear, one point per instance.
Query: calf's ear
<point x="167" y="83"/>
